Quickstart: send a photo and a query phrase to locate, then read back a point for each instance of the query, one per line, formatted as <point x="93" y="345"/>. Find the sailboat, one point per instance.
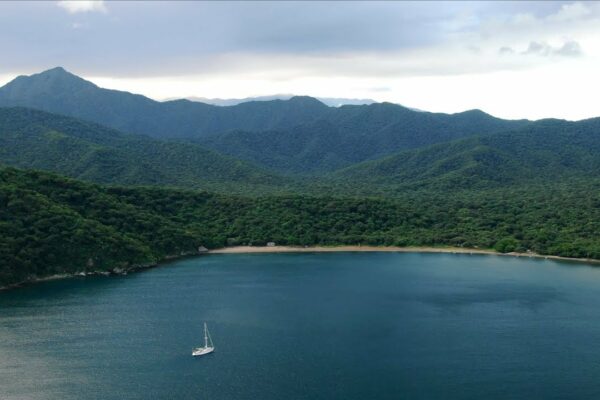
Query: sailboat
<point x="208" y="344"/>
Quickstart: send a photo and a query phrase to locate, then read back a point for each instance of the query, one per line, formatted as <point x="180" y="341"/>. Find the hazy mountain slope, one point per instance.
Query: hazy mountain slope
<point x="36" y="139"/>
<point x="549" y="150"/>
<point x="330" y="101"/>
<point x="375" y="130"/>
<point x="61" y="92"/>
<point x="353" y="134"/>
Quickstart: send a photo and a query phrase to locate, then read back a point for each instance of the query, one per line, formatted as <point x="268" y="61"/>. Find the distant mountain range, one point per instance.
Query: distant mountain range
<point x="299" y="135"/>
<point x="61" y="92"/>
<point x="329" y="101"/>
<point x="270" y="144"/>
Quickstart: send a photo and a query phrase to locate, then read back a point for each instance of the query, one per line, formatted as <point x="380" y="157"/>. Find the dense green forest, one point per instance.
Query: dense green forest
<point x="50" y="224"/>
<point x="85" y="150"/>
<point x="351" y="134"/>
<point x="546" y="151"/>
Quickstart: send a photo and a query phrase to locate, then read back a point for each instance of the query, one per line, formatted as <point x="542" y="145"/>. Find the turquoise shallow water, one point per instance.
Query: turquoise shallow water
<point x="310" y="326"/>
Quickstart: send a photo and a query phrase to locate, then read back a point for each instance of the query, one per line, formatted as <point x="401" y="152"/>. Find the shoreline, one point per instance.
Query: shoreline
<point x="117" y="271"/>
<point x="293" y="249"/>
<point x="396" y="249"/>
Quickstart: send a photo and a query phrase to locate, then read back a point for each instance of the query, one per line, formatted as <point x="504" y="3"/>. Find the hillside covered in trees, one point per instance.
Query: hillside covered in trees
<point x="351" y="134"/>
<point x="548" y="151"/>
<point x="50" y="224"/>
<point x="545" y="151"/>
<point x="85" y="150"/>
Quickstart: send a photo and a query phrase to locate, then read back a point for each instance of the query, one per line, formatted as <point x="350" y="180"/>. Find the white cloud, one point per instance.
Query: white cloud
<point x="83" y="6"/>
<point x="571" y="12"/>
<point x="538" y="48"/>
<point x="513" y="59"/>
<point x="570" y="48"/>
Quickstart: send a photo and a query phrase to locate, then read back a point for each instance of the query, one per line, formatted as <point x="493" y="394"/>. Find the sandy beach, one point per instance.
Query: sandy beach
<point x="327" y="249"/>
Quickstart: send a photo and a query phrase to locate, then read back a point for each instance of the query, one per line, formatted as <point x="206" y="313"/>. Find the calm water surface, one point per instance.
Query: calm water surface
<point x="310" y="326"/>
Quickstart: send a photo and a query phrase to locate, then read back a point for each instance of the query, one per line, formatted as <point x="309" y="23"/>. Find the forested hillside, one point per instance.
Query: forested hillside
<point x="50" y="224"/>
<point x="352" y="134"/>
<point x="84" y="150"/>
<point x="549" y="151"/>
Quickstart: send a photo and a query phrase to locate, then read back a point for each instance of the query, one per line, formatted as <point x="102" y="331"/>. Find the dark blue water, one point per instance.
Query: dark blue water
<point x="310" y="326"/>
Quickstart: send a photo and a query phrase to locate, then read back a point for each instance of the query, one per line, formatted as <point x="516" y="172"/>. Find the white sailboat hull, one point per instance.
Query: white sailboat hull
<point x="200" y="351"/>
<point x="208" y="348"/>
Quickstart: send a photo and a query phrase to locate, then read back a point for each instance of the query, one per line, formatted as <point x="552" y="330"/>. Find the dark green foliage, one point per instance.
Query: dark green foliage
<point x="507" y="245"/>
<point x="50" y="224"/>
<point x="84" y="150"/>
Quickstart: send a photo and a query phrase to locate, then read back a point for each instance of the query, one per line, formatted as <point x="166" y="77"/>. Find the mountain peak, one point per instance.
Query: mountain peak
<point x="306" y="100"/>
<point x="32" y="90"/>
<point x="56" y="70"/>
<point x="52" y="78"/>
<point x="475" y="111"/>
<point x="60" y="73"/>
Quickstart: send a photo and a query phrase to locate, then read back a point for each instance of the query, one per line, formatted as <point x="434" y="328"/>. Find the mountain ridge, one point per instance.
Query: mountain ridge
<point x="134" y="113"/>
<point x="384" y="143"/>
<point x="352" y="134"/>
<point x="329" y="101"/>
<point x="74" y="96"/>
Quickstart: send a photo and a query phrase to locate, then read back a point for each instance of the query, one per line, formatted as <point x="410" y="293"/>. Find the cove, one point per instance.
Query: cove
<point x="310" y="326"/>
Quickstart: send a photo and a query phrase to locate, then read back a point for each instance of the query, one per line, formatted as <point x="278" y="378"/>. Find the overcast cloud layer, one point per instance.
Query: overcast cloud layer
<point x="512" y="59"/>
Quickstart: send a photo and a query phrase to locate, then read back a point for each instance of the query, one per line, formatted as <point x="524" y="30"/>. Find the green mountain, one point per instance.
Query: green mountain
<point x="61" y="92"/>
<point x="299" y="135"/>
<point x="54" y="225"/>
<point x="545" y="151"/>
<point x="352" y="134"/>
<point x="85" y="150"/>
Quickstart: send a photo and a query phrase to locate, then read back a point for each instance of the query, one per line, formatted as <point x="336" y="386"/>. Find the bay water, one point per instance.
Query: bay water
<point x="310" y="326"/>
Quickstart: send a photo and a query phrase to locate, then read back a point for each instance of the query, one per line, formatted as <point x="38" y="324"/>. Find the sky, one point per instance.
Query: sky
<point x="511" y="59"/>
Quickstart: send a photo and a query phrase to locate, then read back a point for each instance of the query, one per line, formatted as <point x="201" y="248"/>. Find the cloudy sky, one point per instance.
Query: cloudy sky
<point x="511" y="59"/>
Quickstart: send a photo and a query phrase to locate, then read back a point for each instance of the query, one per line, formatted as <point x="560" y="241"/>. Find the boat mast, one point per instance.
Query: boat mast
<point x="209" y="338"/>
<point x="205" y="336"/>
